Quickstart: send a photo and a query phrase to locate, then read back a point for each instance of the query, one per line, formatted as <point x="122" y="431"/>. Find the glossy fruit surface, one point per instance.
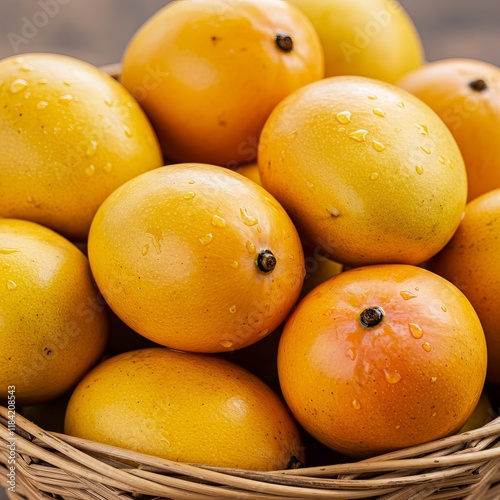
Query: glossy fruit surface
<point x="209" y="72"/>
<point x="382" y="357"/>
<point x="70" y="136"/>
<point x="53" y="325"/>
<point x="373" y="38"/>
<point x="470" y="261"/>
<point x="465" y="93"/>
<point x="196" y="257"/>
<point x="365" y="170"/>
<point x="185" y="407"/>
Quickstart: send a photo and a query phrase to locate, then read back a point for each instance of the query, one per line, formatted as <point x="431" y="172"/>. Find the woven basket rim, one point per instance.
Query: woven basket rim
<point x="463" y="466"/>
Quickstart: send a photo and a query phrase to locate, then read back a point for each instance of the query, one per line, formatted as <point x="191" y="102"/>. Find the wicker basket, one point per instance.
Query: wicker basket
<point x="52" y="465"/>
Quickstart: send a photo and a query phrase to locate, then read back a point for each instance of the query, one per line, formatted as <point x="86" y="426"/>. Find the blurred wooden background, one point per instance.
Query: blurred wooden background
<point x="98" y="30"/>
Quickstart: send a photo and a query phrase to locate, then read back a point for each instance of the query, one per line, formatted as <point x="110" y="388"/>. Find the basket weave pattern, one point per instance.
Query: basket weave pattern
<point x="464" y="466"/>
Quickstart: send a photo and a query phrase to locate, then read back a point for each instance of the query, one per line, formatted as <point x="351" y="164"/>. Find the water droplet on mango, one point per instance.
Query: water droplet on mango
<point x="422" y="128"/>
<point x="359" y="135"/>
<point x="26" y="67"/>
<point x="378" y="146"/>
<point x="393" y="377"/>
<point x="207" y="239"/>
<point x="189" y="195"/>
<point x="427" y="347"/>
<point x="233" y="309"/>
<point x="91" y="149"/>
<point x="248" y="219"/>
<point x="333" y="211"/>
<point x="330" y="311"/>
<point x="407" y="295"/>
<point x="11" y="285"/>
<point x="90" y="170"/>
<point x="218" y="221"/>
<point x="379" y="112"/>
<point x="343" y="117"/>
<point x="42" y="105"/>
<point x="250" y="247"/>
<point x="356" y="404"/>
<point x="226" y="343"/>
<point x="416" y="330"/>
<point x="18" y="85"/>
<point x="419" y="169"/>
